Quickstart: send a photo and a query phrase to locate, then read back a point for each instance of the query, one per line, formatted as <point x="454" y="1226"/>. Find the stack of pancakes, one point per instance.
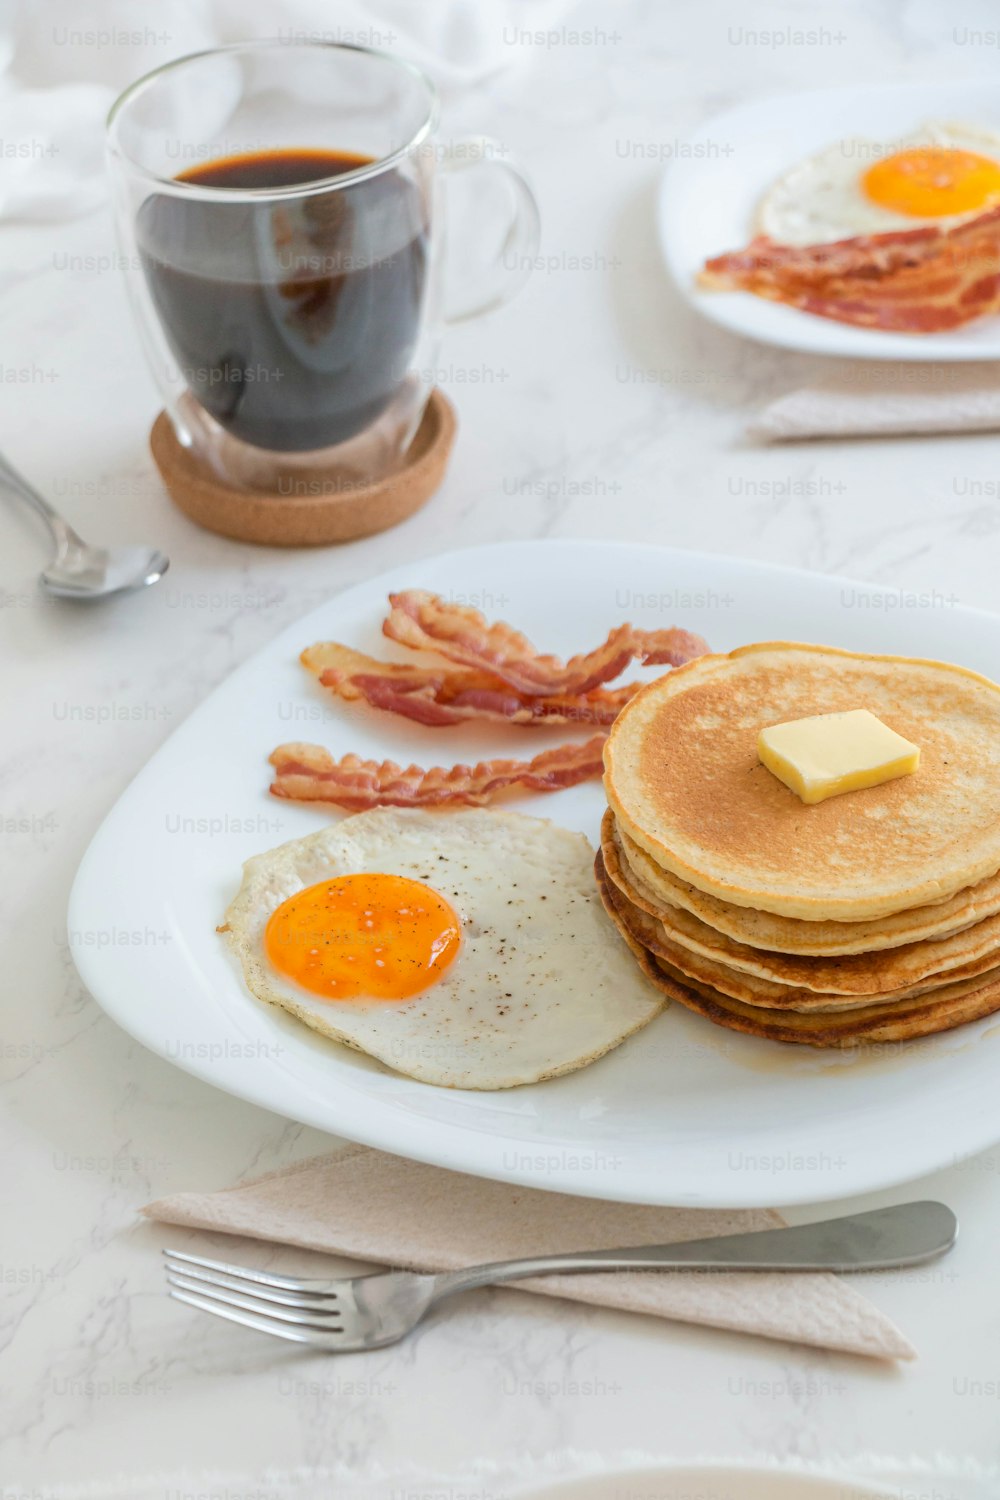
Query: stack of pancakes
<point x="871" y="917"/>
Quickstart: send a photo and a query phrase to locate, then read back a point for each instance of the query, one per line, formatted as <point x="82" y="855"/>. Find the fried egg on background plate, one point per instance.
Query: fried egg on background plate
<point x="465" y="948"/>
<point x="941" y="174"/>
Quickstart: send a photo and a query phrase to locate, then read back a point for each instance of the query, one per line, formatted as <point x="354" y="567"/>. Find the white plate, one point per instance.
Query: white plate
<point x="709" y="194"/>
<point x="709" y="1482"/>
<point x="684" y="1112"/>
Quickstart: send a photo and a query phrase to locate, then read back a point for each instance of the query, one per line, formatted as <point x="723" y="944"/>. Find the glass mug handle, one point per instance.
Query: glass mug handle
<point x="521" y="240"/>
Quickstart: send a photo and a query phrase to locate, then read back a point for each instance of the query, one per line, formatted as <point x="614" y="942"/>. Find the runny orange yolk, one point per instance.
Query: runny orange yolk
<point x="930" y="182"/>
<point x="381" y="936"/>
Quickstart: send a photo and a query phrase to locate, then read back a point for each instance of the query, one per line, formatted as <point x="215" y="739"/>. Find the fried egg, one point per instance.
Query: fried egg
<point x="467" y="949"/>
<point x="941" y="174"/>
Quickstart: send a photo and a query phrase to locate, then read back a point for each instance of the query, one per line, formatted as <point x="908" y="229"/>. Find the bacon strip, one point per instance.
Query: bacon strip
<point x="426" y="622"/>
<point x="441" y="696"/>
<point x="923" y="280"/>
<point x="307" y="773"/>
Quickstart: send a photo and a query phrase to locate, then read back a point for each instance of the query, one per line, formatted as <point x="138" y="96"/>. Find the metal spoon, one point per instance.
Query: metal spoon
<point x="79" y="571"/>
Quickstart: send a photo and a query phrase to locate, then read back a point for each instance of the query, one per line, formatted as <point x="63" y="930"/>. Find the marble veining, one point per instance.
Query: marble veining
<point x="603" y="408"/>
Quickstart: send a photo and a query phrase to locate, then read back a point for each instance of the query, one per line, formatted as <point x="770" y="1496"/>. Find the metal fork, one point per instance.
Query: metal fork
<point x="368" y="1312"/>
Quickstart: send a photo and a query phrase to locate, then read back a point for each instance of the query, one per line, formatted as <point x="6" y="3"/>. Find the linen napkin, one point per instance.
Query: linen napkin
<point x="881" y="400"/>
<point x="371" y="1206"/>
<point x="61" y="66"/>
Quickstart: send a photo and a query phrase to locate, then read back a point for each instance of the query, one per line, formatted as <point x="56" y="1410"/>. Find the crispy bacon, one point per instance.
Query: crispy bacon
<point x="307" y="773"/>
<point x="441" y="696"/>
<point x="923" y="280"/>
<point x="427" y="622"/>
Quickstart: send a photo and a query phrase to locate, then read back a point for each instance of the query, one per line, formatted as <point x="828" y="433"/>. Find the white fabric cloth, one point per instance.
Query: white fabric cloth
<point x="885" y="400"/>
<point x="62" y="66"/>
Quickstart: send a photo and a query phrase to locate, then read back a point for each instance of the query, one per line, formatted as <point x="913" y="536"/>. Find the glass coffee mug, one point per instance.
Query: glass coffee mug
<point x="278" y="215"/>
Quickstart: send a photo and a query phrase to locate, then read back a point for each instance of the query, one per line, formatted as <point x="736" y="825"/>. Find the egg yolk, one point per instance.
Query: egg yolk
<point x="930" y="182"/>
<point x="384" y="937"/>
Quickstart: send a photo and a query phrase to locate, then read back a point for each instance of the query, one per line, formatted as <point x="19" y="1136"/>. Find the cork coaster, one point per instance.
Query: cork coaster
<point x="307" y="520"/>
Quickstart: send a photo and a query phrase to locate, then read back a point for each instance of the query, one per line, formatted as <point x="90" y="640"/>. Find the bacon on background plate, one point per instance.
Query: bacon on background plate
<point x="445" y="695"/>
<point x="307" y="773"/>
<point x="427" y="622"/>
<point x="925" y="280"/>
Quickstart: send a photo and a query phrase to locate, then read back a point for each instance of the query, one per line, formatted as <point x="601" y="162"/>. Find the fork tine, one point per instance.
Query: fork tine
<point x="249" y="1285"/>
<point x="248" y="1320"/>
<point x="318" y="1318"/>
<point x="266" y="1278"/>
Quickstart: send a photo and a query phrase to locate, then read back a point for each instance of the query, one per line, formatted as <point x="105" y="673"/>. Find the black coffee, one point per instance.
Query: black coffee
<point x="292" y="322"/>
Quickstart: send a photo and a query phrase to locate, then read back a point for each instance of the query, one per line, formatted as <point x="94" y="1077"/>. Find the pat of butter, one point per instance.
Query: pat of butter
<point x="827" y="754"/>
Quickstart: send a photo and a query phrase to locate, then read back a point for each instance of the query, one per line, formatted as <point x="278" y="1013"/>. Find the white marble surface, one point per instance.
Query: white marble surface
<point x="605" y="409"/>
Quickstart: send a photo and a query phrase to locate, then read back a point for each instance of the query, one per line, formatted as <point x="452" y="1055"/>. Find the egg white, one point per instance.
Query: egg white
<point x="541" y="984"/>
<point x="821" y="198"/>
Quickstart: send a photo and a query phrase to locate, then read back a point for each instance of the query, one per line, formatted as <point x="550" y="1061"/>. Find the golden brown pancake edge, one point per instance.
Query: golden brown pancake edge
<point x="684" y="781"/>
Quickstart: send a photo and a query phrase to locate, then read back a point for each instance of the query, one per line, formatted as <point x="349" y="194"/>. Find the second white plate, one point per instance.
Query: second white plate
<point x="709" y="195"/>
<point x="710" y="1482"/>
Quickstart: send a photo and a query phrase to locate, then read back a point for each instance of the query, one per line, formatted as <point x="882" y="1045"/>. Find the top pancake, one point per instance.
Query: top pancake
<point x="685" y="783"/>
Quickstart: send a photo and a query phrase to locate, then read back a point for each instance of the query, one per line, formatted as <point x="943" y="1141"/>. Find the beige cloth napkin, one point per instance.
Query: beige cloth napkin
<point x="875" y="400"/>
<point x="380" y="1208"/>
